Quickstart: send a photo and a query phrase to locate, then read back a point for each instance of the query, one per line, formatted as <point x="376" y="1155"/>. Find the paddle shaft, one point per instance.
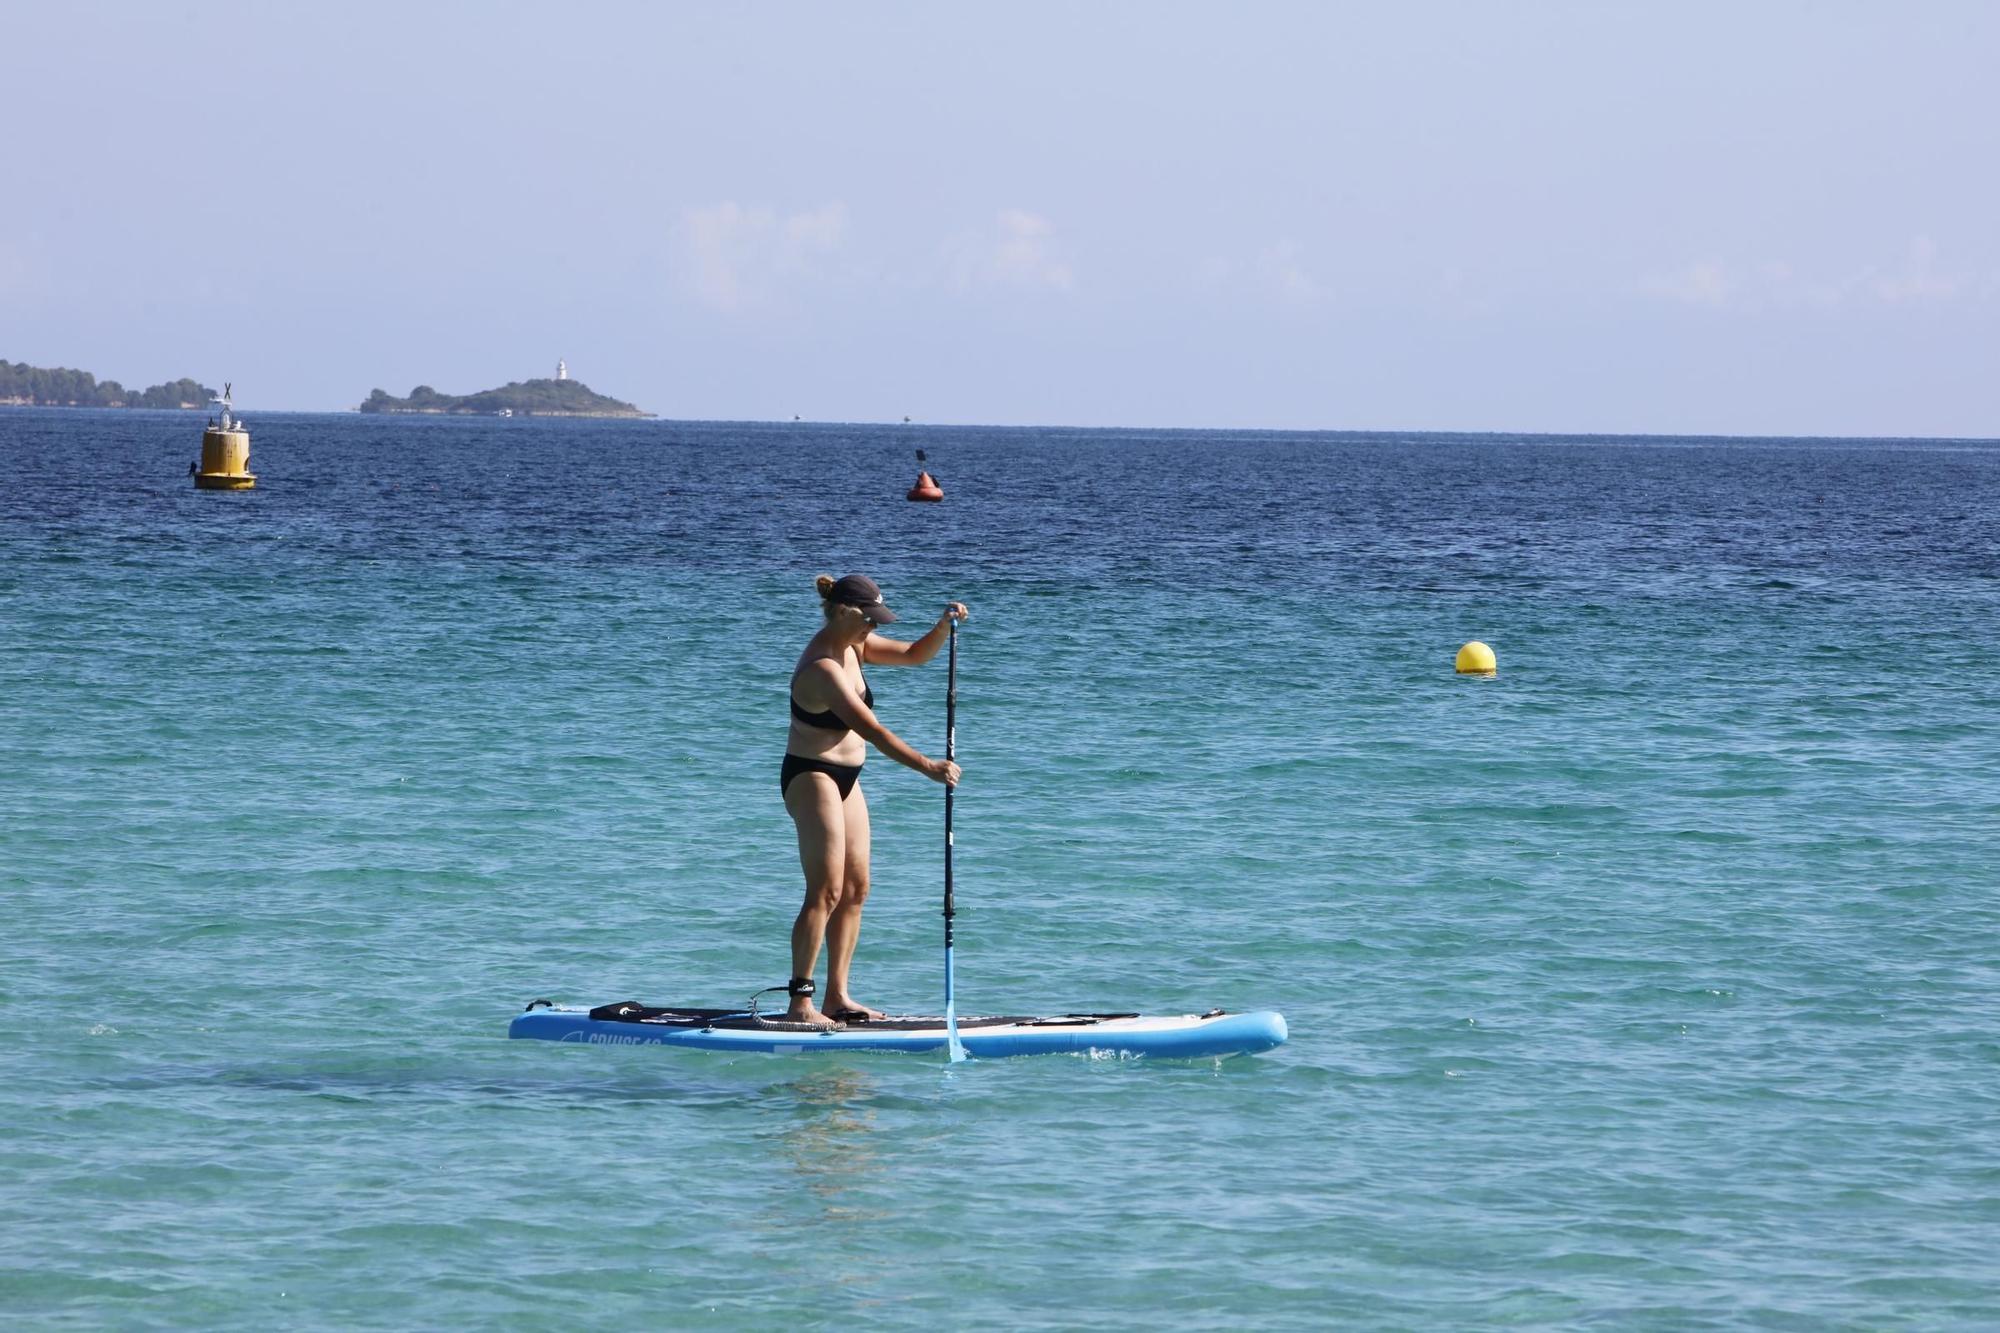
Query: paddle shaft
<point x="950" y="745"/>
<point x="955" y="1050"/>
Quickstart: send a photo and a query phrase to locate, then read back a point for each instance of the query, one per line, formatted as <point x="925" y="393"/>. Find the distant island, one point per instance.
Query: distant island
<point x="527" y="398"/>
<point x="23" y="385"/>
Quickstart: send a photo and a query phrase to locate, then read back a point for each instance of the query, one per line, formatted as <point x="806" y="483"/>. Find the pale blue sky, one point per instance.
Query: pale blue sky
<point x="1761" y="218"/>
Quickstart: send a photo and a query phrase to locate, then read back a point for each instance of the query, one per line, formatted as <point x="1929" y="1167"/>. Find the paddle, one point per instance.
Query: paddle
<point x="956" y="1048"/>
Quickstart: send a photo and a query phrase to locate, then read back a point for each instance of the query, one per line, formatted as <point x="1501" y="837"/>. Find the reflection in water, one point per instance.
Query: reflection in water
<point x="829" y="1137"/>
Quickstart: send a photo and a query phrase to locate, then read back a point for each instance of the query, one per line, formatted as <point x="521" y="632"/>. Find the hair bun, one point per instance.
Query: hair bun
<point x="825" y="585"/>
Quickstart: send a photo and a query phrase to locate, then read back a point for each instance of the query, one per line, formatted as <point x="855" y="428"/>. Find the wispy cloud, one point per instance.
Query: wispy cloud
<point x="738" y="256"/>
<point x="1704" y="282"/>
<point x="1275" y="272"/>
<point x="1917" y="278"/>
<point x="1020" y="250"/>
<point x="1281" y="268"/>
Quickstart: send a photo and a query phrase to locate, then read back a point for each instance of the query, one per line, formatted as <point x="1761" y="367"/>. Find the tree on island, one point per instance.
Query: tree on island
<point x="34" y="386"/>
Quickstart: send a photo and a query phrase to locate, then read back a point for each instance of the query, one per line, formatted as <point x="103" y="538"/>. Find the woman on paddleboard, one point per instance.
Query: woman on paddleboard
<point x="833" y="723"/>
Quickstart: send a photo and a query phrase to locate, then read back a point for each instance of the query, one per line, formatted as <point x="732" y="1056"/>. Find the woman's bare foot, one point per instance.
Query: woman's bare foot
<point x="801" y="1010"/>
<point x="849" y="1011"/>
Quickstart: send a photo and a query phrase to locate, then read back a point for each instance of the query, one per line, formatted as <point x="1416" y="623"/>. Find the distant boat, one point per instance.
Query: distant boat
<point x="504" y="412"/>
<point x="906" y="421"/>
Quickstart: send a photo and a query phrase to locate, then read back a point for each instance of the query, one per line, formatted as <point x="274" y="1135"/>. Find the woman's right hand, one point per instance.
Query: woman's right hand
<point x="942" y="770"/>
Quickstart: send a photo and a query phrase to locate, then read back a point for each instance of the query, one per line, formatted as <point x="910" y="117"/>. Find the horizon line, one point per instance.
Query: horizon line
<point x="659" y="420"/>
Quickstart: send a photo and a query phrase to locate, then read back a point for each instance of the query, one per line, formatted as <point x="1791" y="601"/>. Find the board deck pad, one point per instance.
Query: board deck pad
<point x="631" y="1011"/>
<point x="630" y="1023"/>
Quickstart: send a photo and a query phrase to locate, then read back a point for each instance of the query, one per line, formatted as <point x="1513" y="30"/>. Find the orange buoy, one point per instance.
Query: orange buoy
<point x="925" y="489"/>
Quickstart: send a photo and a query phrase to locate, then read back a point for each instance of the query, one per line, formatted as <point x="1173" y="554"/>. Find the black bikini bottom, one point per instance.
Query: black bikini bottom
<point x="844" y="775"/>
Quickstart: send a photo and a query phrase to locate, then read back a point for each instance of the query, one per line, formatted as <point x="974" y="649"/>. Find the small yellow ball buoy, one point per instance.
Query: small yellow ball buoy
<point x="1476" y="659"/>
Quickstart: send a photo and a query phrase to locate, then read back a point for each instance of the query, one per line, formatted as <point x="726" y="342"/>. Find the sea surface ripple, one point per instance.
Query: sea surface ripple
<point x="1650" y="984"/>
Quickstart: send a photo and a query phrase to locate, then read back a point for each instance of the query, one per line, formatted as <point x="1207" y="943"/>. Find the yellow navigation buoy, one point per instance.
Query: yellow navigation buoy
<point x="225" y="453"/>
<point x="1476" y="659"/>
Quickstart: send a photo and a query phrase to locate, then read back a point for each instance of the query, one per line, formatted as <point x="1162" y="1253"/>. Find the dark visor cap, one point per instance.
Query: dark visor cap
<point x="860" y="592"/>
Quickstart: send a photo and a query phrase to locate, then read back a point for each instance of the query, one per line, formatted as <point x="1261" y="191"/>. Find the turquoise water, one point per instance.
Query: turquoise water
<point x="1650" y="984"/>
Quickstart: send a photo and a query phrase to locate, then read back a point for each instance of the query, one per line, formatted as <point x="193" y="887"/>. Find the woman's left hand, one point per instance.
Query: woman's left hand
<point x="955" y="611"/>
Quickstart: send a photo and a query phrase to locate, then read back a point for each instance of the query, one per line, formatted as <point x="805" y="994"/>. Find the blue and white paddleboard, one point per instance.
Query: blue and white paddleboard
<point x="1176" y="1036"/>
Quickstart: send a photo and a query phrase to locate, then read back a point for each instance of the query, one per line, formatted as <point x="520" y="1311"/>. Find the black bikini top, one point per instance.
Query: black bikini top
<point x="829" y="720"/>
